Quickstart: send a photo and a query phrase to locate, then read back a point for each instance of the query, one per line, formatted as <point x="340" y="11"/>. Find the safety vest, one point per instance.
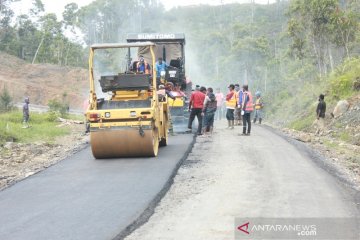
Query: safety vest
<point x="249" y="103"/>
<point x="258" y="104"/>
<point x="147" y="70"/>
<point x="231" y="103"/>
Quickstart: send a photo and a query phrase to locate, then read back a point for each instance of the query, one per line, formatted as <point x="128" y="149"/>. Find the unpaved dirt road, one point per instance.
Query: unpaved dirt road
<point x="263" y="175"/>
<point x="83" y="198"/>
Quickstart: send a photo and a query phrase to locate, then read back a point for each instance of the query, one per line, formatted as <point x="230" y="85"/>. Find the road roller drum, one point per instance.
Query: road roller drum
<point x="124" y="143"/>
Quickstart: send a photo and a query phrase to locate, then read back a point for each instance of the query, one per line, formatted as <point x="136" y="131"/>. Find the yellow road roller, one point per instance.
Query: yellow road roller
<point x="127" y="115"/>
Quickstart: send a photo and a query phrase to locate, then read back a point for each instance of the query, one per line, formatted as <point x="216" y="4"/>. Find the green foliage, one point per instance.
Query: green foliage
<point x="345" y="136"/>
<point x="303" y="123"/>
<point x="315" y="25"/>
<point x="342" y="80"/>
<point x="329" y="144"/>
<point x="5" y="100"/>
<point x="38" y="38"/>
<point x="41" y="129"/>
<point x="57" y="108"/>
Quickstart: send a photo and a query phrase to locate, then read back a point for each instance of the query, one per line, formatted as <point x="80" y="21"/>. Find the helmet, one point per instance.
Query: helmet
<point x="258" y="93"/>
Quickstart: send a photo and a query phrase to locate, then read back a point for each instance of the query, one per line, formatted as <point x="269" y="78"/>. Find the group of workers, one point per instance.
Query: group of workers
<point x="239" y="105"/>
<point x="203" y="105"/>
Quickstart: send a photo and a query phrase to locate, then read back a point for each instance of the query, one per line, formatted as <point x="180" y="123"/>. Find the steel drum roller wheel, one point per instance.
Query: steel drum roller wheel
<point x="124" y="143"/>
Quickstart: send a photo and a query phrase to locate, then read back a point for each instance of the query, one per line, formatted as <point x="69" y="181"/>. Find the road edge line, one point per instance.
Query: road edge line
<point x="150" y="209"/>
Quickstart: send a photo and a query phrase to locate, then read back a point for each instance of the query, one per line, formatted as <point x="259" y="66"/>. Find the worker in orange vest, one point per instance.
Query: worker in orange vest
<point x="230" y="106"/>
<point x="143" y="66"/>
<point x="247" y="108"/>
<point x="259" y="105"/>
<point x="237" y="111"/>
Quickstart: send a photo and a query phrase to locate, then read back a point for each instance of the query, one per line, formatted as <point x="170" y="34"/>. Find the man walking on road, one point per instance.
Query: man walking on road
<point x="320" y="114"/>
<point x="196" y="105"/>
<point x="247" y="108"/>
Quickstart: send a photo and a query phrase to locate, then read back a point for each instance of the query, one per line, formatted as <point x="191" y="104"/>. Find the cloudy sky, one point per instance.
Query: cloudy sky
<point x="57" y="6"/>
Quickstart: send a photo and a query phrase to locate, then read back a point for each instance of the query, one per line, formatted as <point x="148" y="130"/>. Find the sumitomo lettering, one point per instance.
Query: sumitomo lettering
<point x="156" y="36"/>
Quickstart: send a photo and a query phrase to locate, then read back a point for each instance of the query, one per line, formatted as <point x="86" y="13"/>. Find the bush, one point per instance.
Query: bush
<point x="342" y="81"/>
<point x="303" y="123"/>
<point x="5" y="101"/>
<point x="56" y="106"/>
<point x="51" y="116"/>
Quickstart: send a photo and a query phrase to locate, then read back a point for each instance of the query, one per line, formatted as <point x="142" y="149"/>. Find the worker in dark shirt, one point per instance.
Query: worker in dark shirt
<point x="26" y="113"/>
<point x="320" y="114"/>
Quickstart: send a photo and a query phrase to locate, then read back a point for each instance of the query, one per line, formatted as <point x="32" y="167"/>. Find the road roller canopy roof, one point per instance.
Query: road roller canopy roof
<point x="156" y="37"/>
<point x="121" y="45"/>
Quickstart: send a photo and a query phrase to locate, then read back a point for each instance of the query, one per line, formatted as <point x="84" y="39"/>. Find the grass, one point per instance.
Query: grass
<point x="329" y="144"/>
<point x="341" y="80"/>
<point x="302" y="123"/>
<point x="345" y="136"/>
<point x="42" y="128"/>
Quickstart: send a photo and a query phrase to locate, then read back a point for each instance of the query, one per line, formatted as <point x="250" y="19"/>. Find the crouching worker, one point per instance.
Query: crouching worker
<point x="162" y="92"/>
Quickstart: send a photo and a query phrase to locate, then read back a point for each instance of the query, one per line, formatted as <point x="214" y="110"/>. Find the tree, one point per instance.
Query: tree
<point x="316" y="15"/>
<point x="26" y="32"/>
<point x="6" y="31"/>
<point x="5" y="100"/>
<point x="37" y="9"/>
<point x="70" y="15"/>
<point x="51" y="30"/>
<point x="345" y="27"/>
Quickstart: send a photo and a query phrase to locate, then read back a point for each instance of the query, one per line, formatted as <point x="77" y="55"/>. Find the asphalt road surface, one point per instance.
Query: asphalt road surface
<point x="84" y="198"/>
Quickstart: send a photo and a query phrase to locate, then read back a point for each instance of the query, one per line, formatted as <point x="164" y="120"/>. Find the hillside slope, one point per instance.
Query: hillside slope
<point x="43" y="82"/>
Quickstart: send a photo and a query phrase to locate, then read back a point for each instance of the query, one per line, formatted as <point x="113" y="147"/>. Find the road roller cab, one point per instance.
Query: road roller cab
<point x="170" y="47"/>
<point x="125" y="115"/>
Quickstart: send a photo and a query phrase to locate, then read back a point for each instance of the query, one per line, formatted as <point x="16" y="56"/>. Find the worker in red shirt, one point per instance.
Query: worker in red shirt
<point x="195" y="106"/>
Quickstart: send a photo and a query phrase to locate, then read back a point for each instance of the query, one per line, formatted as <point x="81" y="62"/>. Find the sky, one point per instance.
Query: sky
<point x="57" y="6"/>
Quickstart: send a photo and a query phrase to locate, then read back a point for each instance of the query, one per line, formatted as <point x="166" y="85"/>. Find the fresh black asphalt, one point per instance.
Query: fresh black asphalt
<point x="84" y="198"/>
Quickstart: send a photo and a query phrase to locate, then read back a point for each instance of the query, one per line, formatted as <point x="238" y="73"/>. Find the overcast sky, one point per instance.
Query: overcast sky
<point x="57" y="6"/>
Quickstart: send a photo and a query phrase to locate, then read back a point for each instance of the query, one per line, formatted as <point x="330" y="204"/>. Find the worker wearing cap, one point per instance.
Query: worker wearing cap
<point x="164" y="91"/>
<point x="143" y="66"/>
<point x="26" y="114"/>
<point x="259" y="104"/>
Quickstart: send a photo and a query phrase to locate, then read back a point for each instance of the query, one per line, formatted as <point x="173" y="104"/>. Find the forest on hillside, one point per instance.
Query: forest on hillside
<point x="280" y="48"/>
